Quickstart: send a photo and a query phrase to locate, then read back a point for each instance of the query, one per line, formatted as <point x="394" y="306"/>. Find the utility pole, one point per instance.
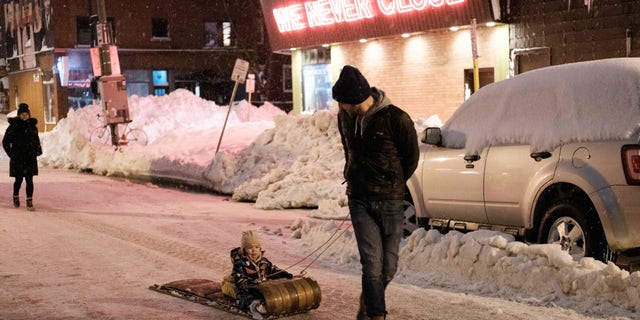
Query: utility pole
<point x="112" y="86"/>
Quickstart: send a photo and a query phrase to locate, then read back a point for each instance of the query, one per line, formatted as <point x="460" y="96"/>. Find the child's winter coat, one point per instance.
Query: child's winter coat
<point x="247" y="274"/>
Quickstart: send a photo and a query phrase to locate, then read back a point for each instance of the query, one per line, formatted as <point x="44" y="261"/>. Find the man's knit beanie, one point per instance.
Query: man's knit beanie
<point x="351" y="87"/>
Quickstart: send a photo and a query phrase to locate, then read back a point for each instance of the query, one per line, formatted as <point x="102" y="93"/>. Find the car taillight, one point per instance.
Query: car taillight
<point x="631" y="163"/>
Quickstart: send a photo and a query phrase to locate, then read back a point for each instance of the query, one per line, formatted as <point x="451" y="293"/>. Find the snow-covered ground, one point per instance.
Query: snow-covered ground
<point x="95" y="244"/>
<point x="283" y="161"/>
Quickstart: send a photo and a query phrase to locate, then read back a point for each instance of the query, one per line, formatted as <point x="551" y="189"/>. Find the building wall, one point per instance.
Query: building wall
<point x="424" y="74"/>
<point x="576" y="30"/>
<point x="183" y="52"/>
<point x="185" y="18"/>
<point x="184" y="48"/>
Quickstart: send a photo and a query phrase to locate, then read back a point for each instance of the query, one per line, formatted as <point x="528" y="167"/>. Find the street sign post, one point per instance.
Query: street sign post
<point x="250" y="86"/>
<point x="238" y="75"/>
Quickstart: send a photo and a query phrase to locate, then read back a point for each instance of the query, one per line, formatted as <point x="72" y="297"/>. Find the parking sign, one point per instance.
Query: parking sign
<point x="240" y="70"/>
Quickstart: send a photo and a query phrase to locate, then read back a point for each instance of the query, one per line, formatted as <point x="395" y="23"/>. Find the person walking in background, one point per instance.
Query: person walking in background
<point x="22" y="144"/>
<point x="381" y="153"/>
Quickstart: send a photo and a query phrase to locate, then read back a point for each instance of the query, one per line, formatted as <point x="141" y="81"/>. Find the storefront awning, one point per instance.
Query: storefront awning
<point x="310" y="23"/>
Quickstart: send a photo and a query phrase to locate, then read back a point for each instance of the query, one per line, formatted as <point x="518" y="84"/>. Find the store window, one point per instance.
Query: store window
<point x="218" y="34"/>
<point x="159" y="28"/>
<point x="48" y="93"/>
<point x="316" y="87"/>
<point x="287" y="81"/>
<point x="530" y="59"/>
<point x="138" y="82"/>
<point x="486" y="76"/>
<point x="316" y="80"/>
<point x="160" y="82"/>
<point x="84" y="32"/>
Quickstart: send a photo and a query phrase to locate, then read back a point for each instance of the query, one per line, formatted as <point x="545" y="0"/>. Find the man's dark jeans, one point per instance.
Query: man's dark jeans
<point x="378" y="229"/>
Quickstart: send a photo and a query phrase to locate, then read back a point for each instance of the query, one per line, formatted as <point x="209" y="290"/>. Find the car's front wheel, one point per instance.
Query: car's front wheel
<point x="410" y="222"/>
<point x="568" y="224"/>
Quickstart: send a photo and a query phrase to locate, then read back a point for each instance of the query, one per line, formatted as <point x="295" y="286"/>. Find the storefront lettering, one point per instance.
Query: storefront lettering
<point x="290" y="18"/>
<point x="389" y="7"/>
<point x="327" y="12"/>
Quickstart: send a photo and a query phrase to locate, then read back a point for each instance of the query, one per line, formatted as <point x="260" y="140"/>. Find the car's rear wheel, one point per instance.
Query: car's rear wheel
<point x="570" y="224"/>
<point x="410" y="222"/>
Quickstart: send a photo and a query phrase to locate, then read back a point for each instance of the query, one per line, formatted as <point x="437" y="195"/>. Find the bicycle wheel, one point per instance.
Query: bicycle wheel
<point x="100" y="135"/>
<point x="137" y="137"/>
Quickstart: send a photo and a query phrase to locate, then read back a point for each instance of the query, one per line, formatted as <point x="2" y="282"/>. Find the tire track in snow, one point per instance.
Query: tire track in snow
<point x="173" y="248"/>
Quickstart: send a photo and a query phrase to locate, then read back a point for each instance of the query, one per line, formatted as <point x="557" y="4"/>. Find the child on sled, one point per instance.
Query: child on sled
<point x="250" y="268"/>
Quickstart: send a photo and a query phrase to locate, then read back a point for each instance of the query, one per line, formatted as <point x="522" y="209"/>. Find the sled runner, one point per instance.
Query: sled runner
<point x="282" y="297"/>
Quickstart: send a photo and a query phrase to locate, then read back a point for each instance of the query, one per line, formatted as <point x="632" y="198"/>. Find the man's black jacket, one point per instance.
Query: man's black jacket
<point x="381" y="150"/>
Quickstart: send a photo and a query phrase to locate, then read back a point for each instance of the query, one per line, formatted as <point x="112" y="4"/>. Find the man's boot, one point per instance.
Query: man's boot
<point x="30" y="204"/>
<point x="16" y="201"/>
<point x="377" y="318"/>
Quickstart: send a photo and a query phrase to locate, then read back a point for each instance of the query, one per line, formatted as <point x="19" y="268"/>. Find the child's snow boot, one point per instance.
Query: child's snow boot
<point x="16" y="201"/>
<point x="257" y="309"/>
<point x="30" y="204"/>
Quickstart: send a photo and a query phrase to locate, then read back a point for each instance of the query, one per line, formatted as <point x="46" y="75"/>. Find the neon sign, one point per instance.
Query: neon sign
<point x="318" y="13"/>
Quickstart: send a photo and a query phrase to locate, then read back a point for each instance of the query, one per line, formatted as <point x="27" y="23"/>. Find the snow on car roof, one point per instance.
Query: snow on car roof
<point x="583" y="101"/>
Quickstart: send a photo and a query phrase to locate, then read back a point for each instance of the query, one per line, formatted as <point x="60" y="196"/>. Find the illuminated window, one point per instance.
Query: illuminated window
<point x="218" y="34"/>
<point x="226" y="34"/>
<point x="160" y="80"/>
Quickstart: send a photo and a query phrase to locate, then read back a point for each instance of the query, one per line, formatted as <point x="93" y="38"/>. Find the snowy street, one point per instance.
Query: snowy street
<point x="95" y="244"/>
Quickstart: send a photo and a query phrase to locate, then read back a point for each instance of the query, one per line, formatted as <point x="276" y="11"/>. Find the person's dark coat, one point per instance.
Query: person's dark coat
<point x="380" y="149"/>
<point x="22" y="144"/>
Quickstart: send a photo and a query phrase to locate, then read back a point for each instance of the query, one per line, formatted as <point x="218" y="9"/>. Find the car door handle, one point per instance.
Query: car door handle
<point x="471" y="158"/>
<point x="538" y="156"/>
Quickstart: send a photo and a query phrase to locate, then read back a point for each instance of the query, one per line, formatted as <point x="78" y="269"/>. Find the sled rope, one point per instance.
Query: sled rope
<point x="327" y="244"/>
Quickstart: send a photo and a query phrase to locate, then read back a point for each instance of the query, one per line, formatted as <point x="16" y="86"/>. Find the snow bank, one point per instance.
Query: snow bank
<point x="490" y="263"/>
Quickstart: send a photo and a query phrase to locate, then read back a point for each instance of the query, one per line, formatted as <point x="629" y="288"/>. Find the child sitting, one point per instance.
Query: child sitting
<point x="250" y="268"/>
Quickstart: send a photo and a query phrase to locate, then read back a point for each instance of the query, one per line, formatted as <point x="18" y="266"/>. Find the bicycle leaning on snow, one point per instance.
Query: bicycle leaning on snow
<point x="109" y="134"/>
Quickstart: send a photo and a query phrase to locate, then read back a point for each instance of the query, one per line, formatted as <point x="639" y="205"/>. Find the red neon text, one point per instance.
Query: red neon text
<point x="390" y="7"/>
<point x="327" y="12"/>
<point x="290" y="18"/>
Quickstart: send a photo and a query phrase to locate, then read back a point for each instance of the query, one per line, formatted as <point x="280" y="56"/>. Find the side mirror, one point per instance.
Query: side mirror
<point x="431" y="135"/>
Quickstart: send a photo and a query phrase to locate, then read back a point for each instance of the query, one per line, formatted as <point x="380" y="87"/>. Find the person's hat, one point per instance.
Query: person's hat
<point x="249" y="238"/>
<point x="23" y="107"/>
<point x="351" y="87"/>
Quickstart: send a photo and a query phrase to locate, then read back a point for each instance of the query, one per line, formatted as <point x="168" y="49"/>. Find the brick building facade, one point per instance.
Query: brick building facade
<point x="162" y="46"/>
<point x="552" y="32"/>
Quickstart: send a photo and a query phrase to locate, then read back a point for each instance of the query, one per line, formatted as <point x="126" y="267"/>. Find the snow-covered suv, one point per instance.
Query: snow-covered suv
<point x="550" y="156"/>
